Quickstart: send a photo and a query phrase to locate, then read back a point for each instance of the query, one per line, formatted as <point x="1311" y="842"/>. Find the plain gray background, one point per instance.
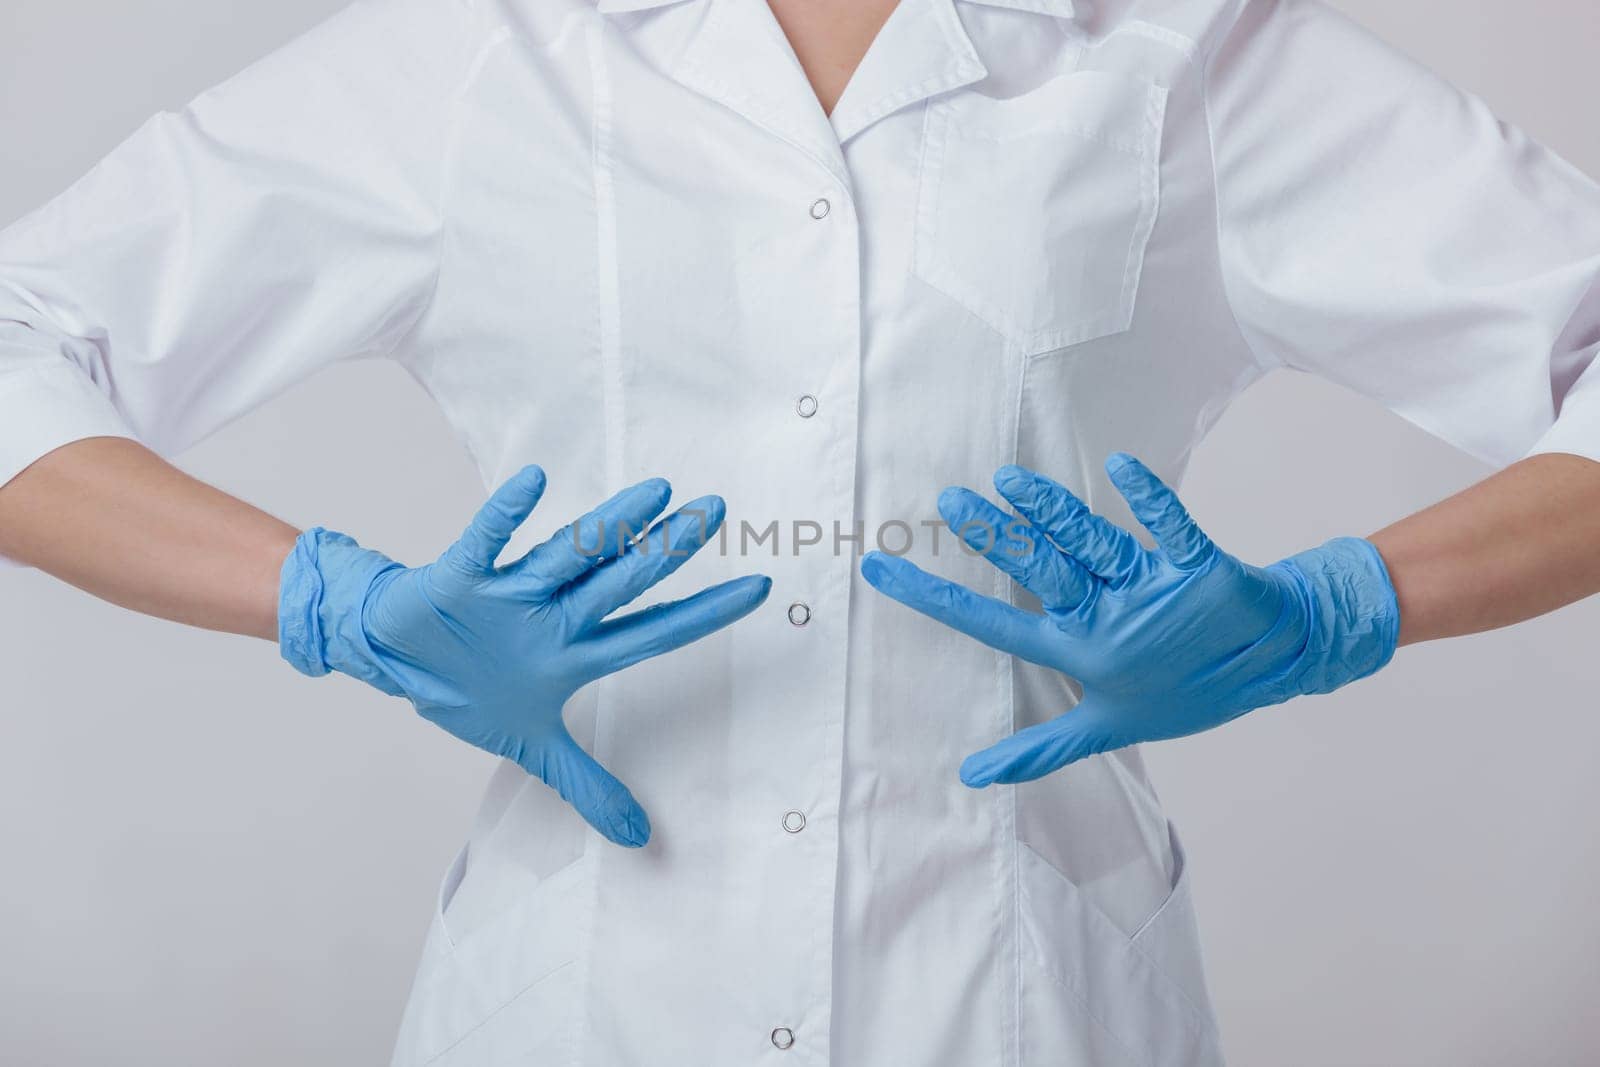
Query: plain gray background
<point x="210" y="859"/>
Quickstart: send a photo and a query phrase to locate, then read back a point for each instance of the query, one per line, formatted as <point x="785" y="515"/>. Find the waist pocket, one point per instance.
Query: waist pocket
<point x="503" y="992"/>
<point x="1092" y="996"/>
<point x="1033" y="212"/>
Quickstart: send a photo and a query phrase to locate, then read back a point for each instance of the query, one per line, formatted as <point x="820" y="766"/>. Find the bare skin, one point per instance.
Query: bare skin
<point x="830" y="37"/>
<point x="112" y="518"/>
<point x="116" y="520"/>
<point x="1518" y="544"/>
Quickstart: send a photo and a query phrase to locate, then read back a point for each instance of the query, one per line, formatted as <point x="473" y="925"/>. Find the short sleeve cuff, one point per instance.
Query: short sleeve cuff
<point x="1577" y="430"/>
<point x="43" y="408"/>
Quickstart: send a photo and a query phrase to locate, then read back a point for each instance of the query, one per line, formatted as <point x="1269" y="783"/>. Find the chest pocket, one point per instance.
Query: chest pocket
<point x="1033" y="212"/>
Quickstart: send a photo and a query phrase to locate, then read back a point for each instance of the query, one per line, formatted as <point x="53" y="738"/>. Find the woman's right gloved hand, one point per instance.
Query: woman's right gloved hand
<point x="492" y="653"/>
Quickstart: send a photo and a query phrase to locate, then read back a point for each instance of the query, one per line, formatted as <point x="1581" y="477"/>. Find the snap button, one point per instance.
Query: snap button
<point x="806" y="406"/>
<point x="799" y="614"/>
<point x="782" y="1037"/>
<point x="794" y="821"/>
<point x="819" y="208"/>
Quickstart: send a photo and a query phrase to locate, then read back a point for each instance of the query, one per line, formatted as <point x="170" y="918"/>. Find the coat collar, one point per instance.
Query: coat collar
<point x="737" y="55"/>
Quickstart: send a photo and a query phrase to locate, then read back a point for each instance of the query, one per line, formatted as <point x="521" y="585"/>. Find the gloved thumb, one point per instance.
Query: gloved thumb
<point x="1037" y="750"/>
<point x="605" y="803"/>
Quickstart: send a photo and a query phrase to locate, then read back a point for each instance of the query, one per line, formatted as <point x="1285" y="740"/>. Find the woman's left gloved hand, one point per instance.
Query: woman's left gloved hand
<point x="1166" y="643"/>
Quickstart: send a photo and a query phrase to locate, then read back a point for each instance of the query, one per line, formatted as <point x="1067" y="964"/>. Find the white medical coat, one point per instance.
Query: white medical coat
<point x="623" y="241"/>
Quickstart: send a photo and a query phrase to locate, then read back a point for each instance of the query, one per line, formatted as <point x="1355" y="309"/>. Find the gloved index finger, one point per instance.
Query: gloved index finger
<point x="603" y="801"/>
<point x="505" y="510"/>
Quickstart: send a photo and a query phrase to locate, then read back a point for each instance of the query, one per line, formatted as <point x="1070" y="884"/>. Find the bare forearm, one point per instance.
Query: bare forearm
<point x="114" y="519"/>
<point x="1516" y="545"/>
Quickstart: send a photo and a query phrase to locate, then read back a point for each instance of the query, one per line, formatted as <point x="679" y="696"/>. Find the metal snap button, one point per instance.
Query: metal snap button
<point x="794" y="821"/>
<point x="782" y="1037"/>
<point x="820" y="208"/>
<point x="799" y="614"/>
<point x="806" y="406"/>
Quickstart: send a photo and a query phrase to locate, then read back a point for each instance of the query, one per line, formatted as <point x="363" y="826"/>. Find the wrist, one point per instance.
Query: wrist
<point x="323" y="589"/>
<point x="1353" y="621"/>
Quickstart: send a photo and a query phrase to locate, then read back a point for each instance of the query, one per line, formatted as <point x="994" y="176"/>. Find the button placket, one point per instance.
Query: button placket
<point x="818" y="484"/>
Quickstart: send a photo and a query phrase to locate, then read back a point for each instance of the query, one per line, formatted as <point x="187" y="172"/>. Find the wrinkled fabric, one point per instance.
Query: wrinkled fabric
<point x="622" y="240"/>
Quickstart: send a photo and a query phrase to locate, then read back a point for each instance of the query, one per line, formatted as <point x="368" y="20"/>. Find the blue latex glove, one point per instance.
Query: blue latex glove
<point x="492" y="653"/>
<point x="1166" y="643"/>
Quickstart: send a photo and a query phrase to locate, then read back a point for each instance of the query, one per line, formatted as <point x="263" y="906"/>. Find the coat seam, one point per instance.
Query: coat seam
<point x="1011" y="841"/>
<point x="607" y="332"/>
<point x="608" y="324"/>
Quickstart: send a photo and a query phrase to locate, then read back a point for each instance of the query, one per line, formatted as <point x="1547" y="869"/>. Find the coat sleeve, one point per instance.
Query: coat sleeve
<point x="283" y="220"/>
<point x="1383" y="230"/>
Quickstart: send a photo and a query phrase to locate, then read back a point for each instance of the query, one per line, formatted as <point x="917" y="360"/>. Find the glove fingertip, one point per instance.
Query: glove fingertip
<point x="623" y="823"/>
<point x="1012" y="478"/>
<point x="877" y="569"/>
<point x="953" y="498"/>
<point x="737" y="595"/>
<point x="710" y="510"/>
<point x="627" y="826"/>
<point x="975" y="772"/>
<point x="638" y="824"/>
<point x="1125" y="472"/>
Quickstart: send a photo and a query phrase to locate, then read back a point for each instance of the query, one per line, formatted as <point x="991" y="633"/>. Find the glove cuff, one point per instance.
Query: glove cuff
<point x="321" y="590"/>
<point x="299" y="607"/>
<point x="1354" y="616"/>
